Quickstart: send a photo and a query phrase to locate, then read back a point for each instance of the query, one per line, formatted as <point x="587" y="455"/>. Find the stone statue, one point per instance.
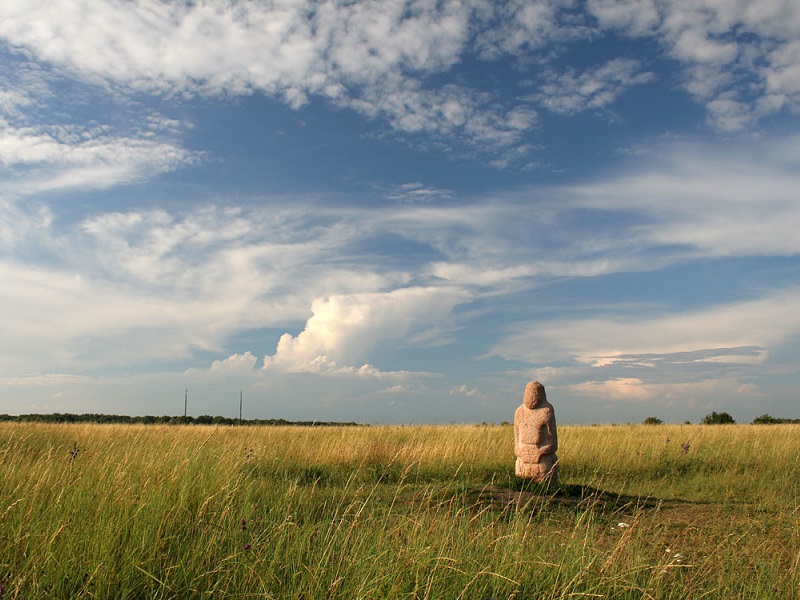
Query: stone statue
<point x="535" y="437"/>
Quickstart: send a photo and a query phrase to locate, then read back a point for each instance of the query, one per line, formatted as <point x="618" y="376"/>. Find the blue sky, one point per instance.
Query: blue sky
<point x="398" y="211"/>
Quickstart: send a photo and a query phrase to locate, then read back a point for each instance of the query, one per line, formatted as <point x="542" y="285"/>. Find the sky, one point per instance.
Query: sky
<point x="400" y="211"/>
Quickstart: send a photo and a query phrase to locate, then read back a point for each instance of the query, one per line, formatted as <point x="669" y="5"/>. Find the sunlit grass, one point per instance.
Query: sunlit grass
<point x="127" y="511"/>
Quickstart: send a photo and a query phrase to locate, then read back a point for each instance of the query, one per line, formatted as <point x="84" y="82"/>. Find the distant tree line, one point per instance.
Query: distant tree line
<point x="723" y="418"/>
<point x="770" y="420"/>
<point x="164" y="420"/>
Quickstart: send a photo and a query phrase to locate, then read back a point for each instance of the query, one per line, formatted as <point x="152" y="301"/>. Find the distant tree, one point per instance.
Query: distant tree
<point x="767" y="419"/>
<point x="652" y="421"/>
<point x="716" y="418"/>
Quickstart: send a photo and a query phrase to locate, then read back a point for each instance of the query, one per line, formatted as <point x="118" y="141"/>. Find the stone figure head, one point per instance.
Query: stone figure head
<point x="535" y="395"/>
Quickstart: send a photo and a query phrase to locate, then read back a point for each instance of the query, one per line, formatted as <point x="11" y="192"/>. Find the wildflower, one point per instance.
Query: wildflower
<point x="678" y="557"/>
<point x="247" y="547"/>
<point x="622" y="525"/>
<point x="685" y="447"/>
<point x="244" y="524"/>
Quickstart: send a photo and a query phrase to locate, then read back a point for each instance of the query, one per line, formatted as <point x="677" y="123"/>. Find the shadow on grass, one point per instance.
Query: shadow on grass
<point x="523" y="494"/>
<point x="369" y="472"/>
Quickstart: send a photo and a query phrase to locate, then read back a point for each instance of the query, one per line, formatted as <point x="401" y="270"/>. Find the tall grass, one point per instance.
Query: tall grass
<point x="117" y="511"/>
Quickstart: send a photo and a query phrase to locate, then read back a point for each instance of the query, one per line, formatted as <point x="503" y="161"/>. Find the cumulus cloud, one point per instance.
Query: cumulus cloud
<point x="236" y="364"/>
<point x="343" y="330"/>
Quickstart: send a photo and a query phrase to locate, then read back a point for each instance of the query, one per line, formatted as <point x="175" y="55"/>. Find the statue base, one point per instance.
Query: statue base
<point x="545" y="471"/>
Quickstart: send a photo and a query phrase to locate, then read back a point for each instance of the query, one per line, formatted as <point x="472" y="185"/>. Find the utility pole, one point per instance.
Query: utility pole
<point x="185" y="402"/>
<point x="240" y="408"/>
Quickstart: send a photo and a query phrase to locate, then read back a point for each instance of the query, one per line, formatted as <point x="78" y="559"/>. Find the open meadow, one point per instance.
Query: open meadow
<point x="151" y="511"/>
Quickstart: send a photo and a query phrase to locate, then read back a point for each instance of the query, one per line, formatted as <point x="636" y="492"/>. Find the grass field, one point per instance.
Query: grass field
<point x="128" y="511"/>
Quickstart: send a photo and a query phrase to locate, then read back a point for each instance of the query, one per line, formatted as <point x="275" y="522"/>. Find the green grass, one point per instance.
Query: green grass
<point x="118" y="511"/>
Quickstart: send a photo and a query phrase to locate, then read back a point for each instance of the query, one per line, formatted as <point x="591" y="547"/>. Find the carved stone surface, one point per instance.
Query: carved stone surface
<point x="535" y="436"/>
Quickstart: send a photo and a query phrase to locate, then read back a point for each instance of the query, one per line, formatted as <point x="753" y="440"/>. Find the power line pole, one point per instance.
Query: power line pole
<point x="240" y="408"/>
<point x="185" y="402"/>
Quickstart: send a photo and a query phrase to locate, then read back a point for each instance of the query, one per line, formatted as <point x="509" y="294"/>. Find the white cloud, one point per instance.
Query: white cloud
<point x="637" y="17"/>
<point x="24" y="225"/>
<point x="663" y="396"/>
<point x="418" y="193"/>
<point x="50" y="379"/>
<point x="366" y="56"/>
<point x="12" y="100"/>
<point x="121" y="288"/>
<point x="236" y="364"/>
<point x="713" y="201"/>
<point x="477" y="275"/>
<point x="381" y="59"/>
<point x="39" y="159"/>
<point x="570" y="93"/>
<point x="343" y="330"/>
<point x="465" y="390"/>
<point x="615" y="389"/>
<point x="729" y="115"/>
<point x="600" y="342"/>
<point x="739" y="57"/>
<point x="523" y="25"/>
<point x="451" y="111"/>
<point x="693" y="45"/>
<point x="59" y="320"/>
